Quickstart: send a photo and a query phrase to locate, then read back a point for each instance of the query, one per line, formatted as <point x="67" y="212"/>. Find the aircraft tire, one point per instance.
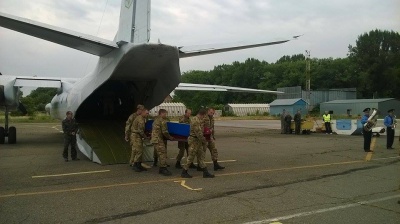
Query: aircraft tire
<point x="12" y="135"/>
<point x="2" y="135"/>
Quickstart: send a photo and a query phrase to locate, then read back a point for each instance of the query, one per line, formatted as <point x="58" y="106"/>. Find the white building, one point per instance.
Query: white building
<point x="247" y="109"/>
<point x="174" y="109"/>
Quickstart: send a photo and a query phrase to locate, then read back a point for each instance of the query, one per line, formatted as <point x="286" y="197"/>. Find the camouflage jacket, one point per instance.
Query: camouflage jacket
<point x="129" y="123"/>
<point x="138" y="126"/>
<point x="184" y="119"/>
<point x="160" y="130"/>
<point x="69" y="126"/>
<point x="197" y="128"/>
<point x="209" y="123"/>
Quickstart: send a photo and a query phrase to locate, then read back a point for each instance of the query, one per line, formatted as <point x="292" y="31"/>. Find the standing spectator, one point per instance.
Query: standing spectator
<point x="288" y="121"/>
<point x="283" y="121"/>
<point x="327" y="121"/>
<point x="389" y="122"/>
<point x="297" y="122"/>
<point x="70" y="127"/>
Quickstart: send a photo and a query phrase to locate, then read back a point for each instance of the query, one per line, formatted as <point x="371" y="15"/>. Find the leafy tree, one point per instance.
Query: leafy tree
<point x="37" y="99"/>
<point x="376" y="57"/>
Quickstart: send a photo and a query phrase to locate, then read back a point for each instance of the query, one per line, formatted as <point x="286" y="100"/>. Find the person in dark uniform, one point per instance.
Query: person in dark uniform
<point x="283" y="128"/>
<point x="297" y="122"/>
<point x="288" y="120"/>
<point x="389" y="122"/>
<point x="366" y="134"/>
<point x="69" y="127"/>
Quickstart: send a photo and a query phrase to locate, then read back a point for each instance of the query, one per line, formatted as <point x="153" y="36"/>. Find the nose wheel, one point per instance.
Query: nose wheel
<point x="10" y="132"/>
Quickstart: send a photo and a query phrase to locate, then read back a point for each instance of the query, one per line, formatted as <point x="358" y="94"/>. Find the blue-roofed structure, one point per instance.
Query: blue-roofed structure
<point x="290" y="105"/>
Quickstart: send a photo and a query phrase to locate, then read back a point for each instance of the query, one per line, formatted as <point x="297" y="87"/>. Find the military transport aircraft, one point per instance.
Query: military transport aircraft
<point x="130" y="70"/>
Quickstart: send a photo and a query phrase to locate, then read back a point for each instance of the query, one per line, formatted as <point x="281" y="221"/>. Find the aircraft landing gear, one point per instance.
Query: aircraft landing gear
<point x="10" y="132"/>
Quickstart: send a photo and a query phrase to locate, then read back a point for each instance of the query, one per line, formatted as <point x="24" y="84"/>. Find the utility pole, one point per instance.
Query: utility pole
<point x="308" y="79"/>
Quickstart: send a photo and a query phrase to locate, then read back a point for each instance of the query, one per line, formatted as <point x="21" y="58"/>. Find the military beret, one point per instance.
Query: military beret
<point x="391" y="110"/>
<point x="367" y="109"/>
<point x="140" y="107"/>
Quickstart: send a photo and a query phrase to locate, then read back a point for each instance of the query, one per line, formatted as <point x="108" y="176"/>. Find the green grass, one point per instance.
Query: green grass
<point x="36" y="118"/>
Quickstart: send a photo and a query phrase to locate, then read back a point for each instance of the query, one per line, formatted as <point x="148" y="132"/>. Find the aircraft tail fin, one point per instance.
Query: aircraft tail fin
<point x="134" y="21"/>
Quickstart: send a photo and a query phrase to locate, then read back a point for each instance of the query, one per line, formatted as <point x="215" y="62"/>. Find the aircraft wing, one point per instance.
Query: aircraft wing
<point x="203" y="87"/>
<point x="41" y="81"/>
<point x="190" y="51"/>
<point x="87" y="43"/>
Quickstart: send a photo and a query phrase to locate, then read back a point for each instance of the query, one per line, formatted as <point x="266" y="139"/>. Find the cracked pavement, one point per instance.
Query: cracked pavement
<point x="317" y="176"/>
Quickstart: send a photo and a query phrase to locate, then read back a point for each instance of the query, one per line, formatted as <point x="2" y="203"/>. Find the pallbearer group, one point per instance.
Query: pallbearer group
<point x="195" y="145"/>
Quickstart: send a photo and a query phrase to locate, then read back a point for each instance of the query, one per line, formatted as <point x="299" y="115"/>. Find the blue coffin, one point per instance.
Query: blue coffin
<point x="173" y="128"/>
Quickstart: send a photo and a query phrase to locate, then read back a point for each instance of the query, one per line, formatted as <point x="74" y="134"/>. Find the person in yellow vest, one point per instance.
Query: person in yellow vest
<point x="327" y="121"/>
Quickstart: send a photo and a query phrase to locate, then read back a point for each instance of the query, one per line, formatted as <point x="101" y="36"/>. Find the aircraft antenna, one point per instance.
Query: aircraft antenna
<point x="97" y="33"/>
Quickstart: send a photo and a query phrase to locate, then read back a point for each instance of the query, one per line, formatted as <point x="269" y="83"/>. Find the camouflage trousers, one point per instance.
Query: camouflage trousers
<point x="182" y="146"/>
<point x="196" y="148"/>
<point x="155" y="153"/>
<point x="213" y="151"/>
<point x="160" y="150"/>
<point x="137" y="149"/>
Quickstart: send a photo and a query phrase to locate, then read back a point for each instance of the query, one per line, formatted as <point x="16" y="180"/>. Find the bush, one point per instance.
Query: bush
<point x="228" y="114"/>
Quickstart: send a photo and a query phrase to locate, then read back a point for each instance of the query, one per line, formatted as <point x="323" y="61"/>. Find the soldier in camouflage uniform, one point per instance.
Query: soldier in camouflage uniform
<point x="155" y="153"/>
<point x="159" y="135"/>
<point x="136" y="138"/>
<point x="209" y="123"/>
<point x="196" y="142"/>
<point x="69" y="127"/>
<point x="128" y="127"/>
<point x="130" y="120"/>
<point x="182" y="146"/>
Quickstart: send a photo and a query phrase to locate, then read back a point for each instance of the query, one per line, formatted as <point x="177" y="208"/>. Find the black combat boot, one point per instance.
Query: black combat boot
<point x="192" y="166"/>
<point x="136" y="167"/>
<point x="199" y="168"/>
<point x="185" y="174"/>
<point x="217" y="166"/>
<point x="141" y="167"/>
<point x="178" y="165"/>
<point x="155" y="161"/>
<point x="206" y="174"/>
<point x="164" y="171"/>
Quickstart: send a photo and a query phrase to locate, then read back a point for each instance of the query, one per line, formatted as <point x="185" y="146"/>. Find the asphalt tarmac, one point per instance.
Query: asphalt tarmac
<point x="269" y="178"/>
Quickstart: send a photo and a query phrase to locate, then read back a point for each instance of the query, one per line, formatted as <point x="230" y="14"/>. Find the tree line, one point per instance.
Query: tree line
<point x="372" y="66"/>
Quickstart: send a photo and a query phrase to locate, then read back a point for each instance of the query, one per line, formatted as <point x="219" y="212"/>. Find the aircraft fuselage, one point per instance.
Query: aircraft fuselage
<point x="134" y="73"/>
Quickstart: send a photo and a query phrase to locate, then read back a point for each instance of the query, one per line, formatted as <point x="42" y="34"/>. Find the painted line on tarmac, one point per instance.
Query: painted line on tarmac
<point x="318" y="211"/>
<point x="179" y="179"/>
<point x="70" y="174"/>
<point x="183" y="184"/>
<point x="87" y="188"/>
<point x="219" y="161"/>
<point x="368" y="157"/>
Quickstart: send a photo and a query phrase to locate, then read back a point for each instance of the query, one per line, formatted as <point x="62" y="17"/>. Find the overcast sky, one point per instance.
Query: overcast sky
<point x="328" y="28"/>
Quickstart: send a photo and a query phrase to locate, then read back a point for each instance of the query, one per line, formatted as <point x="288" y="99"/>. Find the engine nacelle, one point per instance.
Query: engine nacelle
<point x="2" y="97"/>
<point x="9" y="95"/>
<point x="48" y="108"/>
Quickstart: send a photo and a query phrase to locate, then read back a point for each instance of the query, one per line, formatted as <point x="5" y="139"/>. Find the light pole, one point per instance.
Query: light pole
<point x="308" y="79"/>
